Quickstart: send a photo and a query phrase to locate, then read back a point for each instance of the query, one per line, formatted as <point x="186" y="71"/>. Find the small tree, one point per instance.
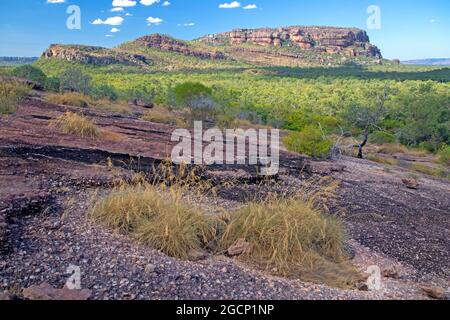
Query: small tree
<point x="197" y="98"/>
<point x="367" y="118"/>
<point x="31" y="73"/>
<point x="75" y="80"/>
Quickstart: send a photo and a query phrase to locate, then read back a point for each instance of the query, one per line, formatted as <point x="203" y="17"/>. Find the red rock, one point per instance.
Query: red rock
<point x="434" y="292"/>
<point x="45" y="291"/>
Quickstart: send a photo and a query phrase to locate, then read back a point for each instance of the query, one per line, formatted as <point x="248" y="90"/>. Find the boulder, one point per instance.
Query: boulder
<point x="239" y="247"/>
<point x="411" y="183"/>
<point x="433" y="292"/>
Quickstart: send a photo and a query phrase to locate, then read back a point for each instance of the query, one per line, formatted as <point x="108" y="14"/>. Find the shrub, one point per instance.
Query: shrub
<point x="288" y="237"/>
<point x="72" y="123"/>
<point x="69" y="99"/>
<point x="189" y="91"/>
<point x="310" y="141"/>
<point x="11" y="93"/>
<point x="30" y="72"/>
<point x="382" y="137"/>
<point x="104" y="91"/>
<point x="159" y="219"/>
<point x="444" y="155"/>
<point x="139" y="93"/>
<point x="52" y="84"/>
<point x="73" y="79"/>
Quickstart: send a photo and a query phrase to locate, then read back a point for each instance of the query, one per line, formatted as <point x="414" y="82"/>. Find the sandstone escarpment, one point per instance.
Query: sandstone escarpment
<point x="95" y="55"/>
<point x="169" y="44"/>
<point x="332" y="40"/>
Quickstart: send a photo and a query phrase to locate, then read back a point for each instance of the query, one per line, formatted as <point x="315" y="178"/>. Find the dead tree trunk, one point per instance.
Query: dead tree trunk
<point x="363" y="144"/>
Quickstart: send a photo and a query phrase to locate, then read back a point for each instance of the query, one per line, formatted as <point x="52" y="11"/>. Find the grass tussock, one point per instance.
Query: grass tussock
<point x="391" y="149"/>
<point x="70" y="99"/>
<point x="165" y="116"/>
<point x="158" y="218"/>
<point x="438" y="172"/>
<point x="288" y="237"/>
<point x="382" y="160"/>
<point x="72" y="123"/>
<point x="11" y="93"/>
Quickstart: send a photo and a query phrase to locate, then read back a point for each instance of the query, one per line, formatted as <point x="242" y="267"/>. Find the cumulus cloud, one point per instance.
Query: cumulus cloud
<point x="166" y="3"/>
<point x="112" y="21"/>
<point x="231" y="5"/>
<point x="149" y="2"/>
<point x="114" y="30"/>
<point x="123" y="3"/>
<point x="251" y="7"/>
<point x="117" y="9"/>
<point x="154" y="21"/>
<point x="56" y="1"/>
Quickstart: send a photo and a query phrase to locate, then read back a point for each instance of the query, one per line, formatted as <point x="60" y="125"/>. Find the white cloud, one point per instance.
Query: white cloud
<point x="108" y="35"/>
<point x="112" y="21"/>
<point x="117" y="9"/>
<point x="155" y="21"/>
<point x="432" y="20"/>
<point x="190" y="24"/>
<point x="231" y="5"/>
<point x="251" y="7"/>
<point x="128" y="14"/>
<point x="56" y="1"/>
<point x="114" y="30"/>
<point x="123" y="3"/>
<point x="166" y="3"/>
<point x="149" y="2"/>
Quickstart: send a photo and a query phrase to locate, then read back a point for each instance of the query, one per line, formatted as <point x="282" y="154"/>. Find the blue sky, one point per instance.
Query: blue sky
<point x="411" y="29"/>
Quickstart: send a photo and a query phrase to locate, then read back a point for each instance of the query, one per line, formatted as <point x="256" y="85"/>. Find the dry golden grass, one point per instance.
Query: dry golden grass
<point x="75" y="99"/>
<point x="113" y="106"/>
<point x="294" y="236"/>
<point x="163" y="115"/>
<point x="391" y="149"/>
<point x="158" y="218"/>
<point x="72" y="123"/>
<point x="288" y="237"/>
<point x="11" y="93"/>
<point x="70" y="99"/>
<point x="382" y="160"/>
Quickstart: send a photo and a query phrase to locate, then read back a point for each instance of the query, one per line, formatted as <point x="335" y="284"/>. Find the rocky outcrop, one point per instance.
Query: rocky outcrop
<point x="170" y="44"/>
<point x="332" y="40"/>
<point x="95" y="55"/>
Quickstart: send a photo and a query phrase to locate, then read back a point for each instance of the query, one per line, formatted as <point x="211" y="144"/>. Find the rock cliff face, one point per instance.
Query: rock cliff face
<point x="169" y="44"/>
<point x="94" y="55"/>
<point x="345" y="41"/>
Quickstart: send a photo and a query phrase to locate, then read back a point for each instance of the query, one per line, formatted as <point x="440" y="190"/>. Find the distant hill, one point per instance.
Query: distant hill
<point x="429" y="62"/>
<point x="15" y="61"/>
<point x="287" y="46"/>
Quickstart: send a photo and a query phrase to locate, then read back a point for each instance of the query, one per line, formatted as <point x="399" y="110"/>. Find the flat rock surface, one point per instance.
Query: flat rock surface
<point x="47" y="180"/>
